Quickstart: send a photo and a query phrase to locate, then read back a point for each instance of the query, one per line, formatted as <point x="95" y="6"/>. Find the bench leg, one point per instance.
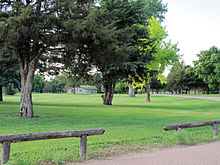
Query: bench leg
<point x="215" y="130"/>
<point x="5" y="152"/>
<point x="83" y="146"/>
<point x="178" y="130"/>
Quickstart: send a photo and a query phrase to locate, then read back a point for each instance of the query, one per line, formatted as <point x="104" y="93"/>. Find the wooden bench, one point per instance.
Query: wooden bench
<point x="178" y="127"/>
<point x="6" y="140"/>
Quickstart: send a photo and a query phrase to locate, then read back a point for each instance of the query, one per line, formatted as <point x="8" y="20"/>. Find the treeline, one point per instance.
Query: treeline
<point x="202" y="78"/>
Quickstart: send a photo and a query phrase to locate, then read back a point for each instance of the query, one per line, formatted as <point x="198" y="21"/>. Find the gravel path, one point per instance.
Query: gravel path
<point x="195" y="97"/>
<point x="202" y="154"/>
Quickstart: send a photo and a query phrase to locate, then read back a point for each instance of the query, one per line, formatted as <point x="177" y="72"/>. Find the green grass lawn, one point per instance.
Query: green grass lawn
<point x="131" y="125"/>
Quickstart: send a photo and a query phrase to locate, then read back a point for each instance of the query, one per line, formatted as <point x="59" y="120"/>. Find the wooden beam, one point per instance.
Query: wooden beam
<point x="83" y="146"/>
<point x="190" y="125"/>
<point x="49" y="135"/>
<point x="215" y="130"/>
<point x="5" y="152"/>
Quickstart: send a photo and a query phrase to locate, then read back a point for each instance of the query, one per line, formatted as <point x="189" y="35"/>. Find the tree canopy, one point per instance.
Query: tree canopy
<point x="208" y="67"/>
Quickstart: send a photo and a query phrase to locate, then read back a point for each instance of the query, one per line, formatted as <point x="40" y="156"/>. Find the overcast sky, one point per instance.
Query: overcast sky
<point x="194" y="24"/>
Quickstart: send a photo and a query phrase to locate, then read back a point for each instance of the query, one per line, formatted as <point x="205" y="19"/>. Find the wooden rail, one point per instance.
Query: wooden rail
<point x="6" y="140"/>
<point x="179" y="126"/>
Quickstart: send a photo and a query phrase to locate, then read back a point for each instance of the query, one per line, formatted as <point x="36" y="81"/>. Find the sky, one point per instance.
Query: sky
<point x="194" y="24"/>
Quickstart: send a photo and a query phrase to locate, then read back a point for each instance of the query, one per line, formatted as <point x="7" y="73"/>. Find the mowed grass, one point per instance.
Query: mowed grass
<point x="131" y="125"/>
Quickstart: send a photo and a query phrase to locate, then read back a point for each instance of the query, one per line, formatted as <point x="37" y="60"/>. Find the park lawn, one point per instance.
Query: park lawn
<point x="131" y="125"/>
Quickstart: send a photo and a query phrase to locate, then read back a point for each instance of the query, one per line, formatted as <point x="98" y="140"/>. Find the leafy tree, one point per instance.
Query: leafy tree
<point x="8" y="75"/>
<point x="30" y="30"/>
<point x="121" y="87"/>
<point x="106" y="40"/>
<point x="164" y="54"/>
<point x="57" y="85"/>
<point x="208" y="67"/>
<point x="175" y="79"/>
<point x="39" y="83"/>
<point x="156" y="84"/>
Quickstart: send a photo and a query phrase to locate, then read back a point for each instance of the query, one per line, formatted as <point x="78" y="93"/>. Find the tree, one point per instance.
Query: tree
<point x="39" y="83"/>
<point x="31" y="30"/>
<point x="164" y="54"/>
<point x="156" y="84"/>
<point x="208" y="67"/>
<point x="192" y="80"/>
<point x="8" y="74"/>
<point x="106" y="40"/>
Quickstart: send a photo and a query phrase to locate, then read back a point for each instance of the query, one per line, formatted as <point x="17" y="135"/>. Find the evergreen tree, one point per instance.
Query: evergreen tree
<point x="107" y="40"/>
<point x="30" y="30"/>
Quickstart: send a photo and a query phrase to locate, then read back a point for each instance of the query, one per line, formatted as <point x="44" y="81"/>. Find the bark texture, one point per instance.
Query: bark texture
<point x="1" y="94"/>
<point x="148" y="92"/>
<point x="109" y="88"/>
<point x="49" y="135"/>
<point x="190" y="125"/>
<point x="27" y="69"/>
<point x="6" y="146"/>
<point x="131" y="92"/>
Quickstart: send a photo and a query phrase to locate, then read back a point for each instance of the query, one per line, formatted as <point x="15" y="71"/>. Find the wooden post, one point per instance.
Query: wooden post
<point x="215" y="130"/>
<point x="6" y="152"/>
<point x="83" y="146"/>
<point x="178" y="129"/>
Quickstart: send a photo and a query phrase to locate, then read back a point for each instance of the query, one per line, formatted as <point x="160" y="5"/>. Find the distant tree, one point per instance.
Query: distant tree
<point x="192" y="80"/>
<point x="9" y="75"/>
<point x="57" y="85"/>
<point x="208" y="67"/>
<point x="155" y="84"/>
<point x="121" y="87"/>
<point x="39" y="83"/>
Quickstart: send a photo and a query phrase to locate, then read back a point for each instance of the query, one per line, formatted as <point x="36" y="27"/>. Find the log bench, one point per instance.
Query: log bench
<point x="179" y="126"/>
<point x="6" y="140"/>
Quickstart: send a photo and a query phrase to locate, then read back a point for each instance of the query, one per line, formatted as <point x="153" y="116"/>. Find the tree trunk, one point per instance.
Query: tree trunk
<point x="109" y="88"/>
<point x="131" y="91"/>
<point x="1" y="94"/>
<point x="148" y="92"/>
<point x="27" y="70"/>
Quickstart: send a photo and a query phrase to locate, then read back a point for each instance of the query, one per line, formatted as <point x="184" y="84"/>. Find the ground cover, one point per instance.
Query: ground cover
<point x="131" y="124"/>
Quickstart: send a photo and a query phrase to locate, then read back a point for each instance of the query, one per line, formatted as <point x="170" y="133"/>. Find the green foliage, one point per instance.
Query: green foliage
<point x="130" y="125"/>
<point x="57" y="85"/>
<point x="156" y="84"/>
<point x="9" y="72"/>
<point x="107" y="39"/>
<point x="39" y="83"/>
<point x="10" y="90"/>
<point x="183" y="77"/>
<point x="164" y="53"/>
<point x="208" y="67"/>
<point x="121" y="87"/>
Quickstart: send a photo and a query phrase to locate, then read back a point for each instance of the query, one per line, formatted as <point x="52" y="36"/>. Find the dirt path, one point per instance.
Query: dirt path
<point x="195" y="97"/>
<point x="202" y="154"/>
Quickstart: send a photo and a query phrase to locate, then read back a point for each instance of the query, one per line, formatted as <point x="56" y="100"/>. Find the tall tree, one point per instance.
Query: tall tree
<point x="164" y="54"/>
<point x="208" y="67"/>
<point x="107" y="40"/>
<point x="28" y="30"/>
